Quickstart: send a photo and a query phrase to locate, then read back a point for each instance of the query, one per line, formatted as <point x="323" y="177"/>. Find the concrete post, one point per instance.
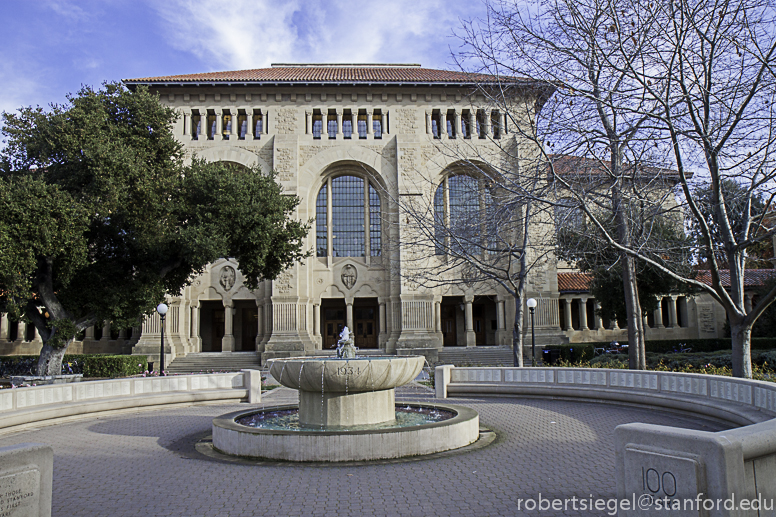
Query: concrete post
<point x="196" y="340"/>
<point x="443" y="124"/>
<point x="382" y="317"/>
<point x="349" y="317"/>
<point x="437" y="316"/>
<point x="659" y="313"/>
<point x="471" y="337"/>
<point x="583" y="314"/>
<point x="227" y="342"/>
<point x="500" y="314"/>
<point x="567" y="314"/>
<point x="186" y="121"/>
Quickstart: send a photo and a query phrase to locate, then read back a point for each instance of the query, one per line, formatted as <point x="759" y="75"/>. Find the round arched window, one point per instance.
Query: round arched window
<point x="348" y="209"/>
<point x="464" y="212"/>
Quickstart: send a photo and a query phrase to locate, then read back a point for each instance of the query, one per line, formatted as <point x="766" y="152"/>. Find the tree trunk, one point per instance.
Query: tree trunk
<point x="636" y="345"/>
<point x="741" y="337"/>
<point x="50" y="360"/>
<point x="517" y="332"/>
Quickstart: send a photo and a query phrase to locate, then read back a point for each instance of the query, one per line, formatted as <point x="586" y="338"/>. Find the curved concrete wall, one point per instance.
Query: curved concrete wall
<point x="20" y="406"/>
<point x="731" y="465"/>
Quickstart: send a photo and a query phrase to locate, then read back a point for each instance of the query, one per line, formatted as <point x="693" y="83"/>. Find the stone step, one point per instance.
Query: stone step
<point x="215" y="361"/>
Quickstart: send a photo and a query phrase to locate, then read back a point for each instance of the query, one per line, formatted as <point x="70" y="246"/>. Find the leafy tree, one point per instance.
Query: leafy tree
<point x="100" y="217"/>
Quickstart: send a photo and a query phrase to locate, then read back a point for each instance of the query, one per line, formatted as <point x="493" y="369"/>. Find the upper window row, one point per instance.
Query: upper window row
<point x="481" y="123"/>
<point x="208" y="125"/>
<point x="351" y="124"/>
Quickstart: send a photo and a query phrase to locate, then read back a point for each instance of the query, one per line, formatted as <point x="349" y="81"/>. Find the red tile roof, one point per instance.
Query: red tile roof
<point x="580" y="282"/>
<point x="574" y="282"/>
<point x="567" y="165"/>
<point x="322" y="74"/>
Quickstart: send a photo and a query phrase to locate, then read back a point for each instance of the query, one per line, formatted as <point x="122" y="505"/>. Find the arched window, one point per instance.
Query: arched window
<point x="354" y="225"/>
<point x="464" y="213"/>
<point x="568" y="214"/>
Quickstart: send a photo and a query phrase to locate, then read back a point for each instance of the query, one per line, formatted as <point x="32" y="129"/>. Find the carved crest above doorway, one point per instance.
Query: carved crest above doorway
<point x="349" y="275"/>
<point x="227" y="277"/>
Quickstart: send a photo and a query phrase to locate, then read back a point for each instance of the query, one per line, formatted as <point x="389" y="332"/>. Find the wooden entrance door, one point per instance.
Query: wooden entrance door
<point x="333" y="323"/>
<point x="365" y="323"/>
<point x="449" y="330"/>
<point x="217" y="330"/>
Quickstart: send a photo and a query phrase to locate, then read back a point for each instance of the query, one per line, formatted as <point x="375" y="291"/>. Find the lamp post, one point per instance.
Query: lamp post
<point x="162" y="310"/>
<point x="531" y="303"/>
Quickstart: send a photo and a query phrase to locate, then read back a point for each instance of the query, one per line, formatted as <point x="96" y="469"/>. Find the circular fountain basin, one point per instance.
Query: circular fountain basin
<point x="302" y="443"/>
<point x="346" y="392"/>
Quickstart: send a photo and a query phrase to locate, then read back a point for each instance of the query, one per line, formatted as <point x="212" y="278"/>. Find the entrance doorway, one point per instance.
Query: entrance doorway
<point x="211" y="325"/>
<point x="365" y="322"/>
<point x="452" y="317"/>
<point x="333" y="318"/>
<point x="250" y="329"/>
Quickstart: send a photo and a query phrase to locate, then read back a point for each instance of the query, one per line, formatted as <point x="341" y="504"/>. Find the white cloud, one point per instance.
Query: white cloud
<point x="240" y="34"/>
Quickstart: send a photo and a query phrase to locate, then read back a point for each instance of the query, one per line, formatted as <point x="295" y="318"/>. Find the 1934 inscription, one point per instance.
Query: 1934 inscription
<point x="349" y="370"/>
<point x="20" y="493"/>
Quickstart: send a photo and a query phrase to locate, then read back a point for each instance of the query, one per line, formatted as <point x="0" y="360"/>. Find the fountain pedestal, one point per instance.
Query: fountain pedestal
<point x="339" y="409"/>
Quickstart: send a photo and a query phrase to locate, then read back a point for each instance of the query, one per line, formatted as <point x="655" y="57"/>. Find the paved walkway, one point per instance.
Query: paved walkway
<point x="144" y="463"/>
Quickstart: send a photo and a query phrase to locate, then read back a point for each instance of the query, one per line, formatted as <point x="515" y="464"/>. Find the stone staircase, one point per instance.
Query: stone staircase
<point x="206" y="362"/>
<point x="477" y="356"/>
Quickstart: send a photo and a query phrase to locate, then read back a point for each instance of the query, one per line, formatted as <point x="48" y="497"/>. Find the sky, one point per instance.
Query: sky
<point x="52" y="47"/>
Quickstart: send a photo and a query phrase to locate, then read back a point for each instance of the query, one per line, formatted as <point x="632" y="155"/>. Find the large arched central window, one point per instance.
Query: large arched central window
<point x="464" y="217"/>
<point x="348" y="218"/>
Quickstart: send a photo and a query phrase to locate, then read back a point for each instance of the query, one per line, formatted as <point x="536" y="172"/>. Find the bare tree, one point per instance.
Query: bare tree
<point x="595" y="113"/>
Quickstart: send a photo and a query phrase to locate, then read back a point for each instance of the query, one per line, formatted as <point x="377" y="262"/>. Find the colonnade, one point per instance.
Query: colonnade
<point x="465" y="123"/>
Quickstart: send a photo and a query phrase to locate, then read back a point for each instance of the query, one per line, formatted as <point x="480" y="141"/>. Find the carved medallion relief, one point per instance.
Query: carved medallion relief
<point x="227" y="277"/>
<point x="349" y="276"/>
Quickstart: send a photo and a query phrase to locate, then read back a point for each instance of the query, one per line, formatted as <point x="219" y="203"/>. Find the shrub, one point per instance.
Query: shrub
<point x="667" y="346"/>
<point x="114" y="365"/>
<point x="90" y="365"/>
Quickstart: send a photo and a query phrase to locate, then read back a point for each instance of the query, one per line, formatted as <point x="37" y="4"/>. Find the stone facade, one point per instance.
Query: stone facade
<point x="299" y="129"/>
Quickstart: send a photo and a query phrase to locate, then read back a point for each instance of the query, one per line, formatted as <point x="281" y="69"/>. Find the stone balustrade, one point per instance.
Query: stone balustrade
<point x="20" y="406"/>
<point x="653" y="460"/>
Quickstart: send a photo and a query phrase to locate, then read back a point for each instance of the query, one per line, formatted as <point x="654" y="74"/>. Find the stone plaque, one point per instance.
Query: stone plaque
<point x="20" y="492"/>
<point x="662" y="475"/>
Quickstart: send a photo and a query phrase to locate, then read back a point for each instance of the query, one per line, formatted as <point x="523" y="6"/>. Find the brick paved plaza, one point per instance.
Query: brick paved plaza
<point x="144" y="463"/>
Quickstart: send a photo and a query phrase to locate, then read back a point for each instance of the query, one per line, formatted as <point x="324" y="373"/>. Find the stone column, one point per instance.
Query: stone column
<point x="265" y="121"/>
<point x="4" y="327"/>
<point x="613" y="324"/>
<point x="105" y="331"/>
<point x="186" y="121"/>
<point x="219" y="124"/>
<point x="583" y="314"/>
<point x="456" y="124"/>
<point x="428" y="123"/>
<point x="471" y="337"/>
<point x="659" y="313"/>
<point x="36" y="334"/>
<point x="227" y="342"/>
<point x="567" y="314"/>
<point x="89" y="334"/>
<point x="349" y="317"/>
<point x="382" y="317"/>
<point x="672" y="323"/>
<point x="437" y="316"/>
<point x="248" y="123"/>
<point x="338" y="114"/>
<point x="316" y="319"/>
<point x="21" y="332"/>
<point x="500" y="314"/>
<point x="308" y="121"/>
<point x="202" y="135"/>
<point x="234" y="113"/>
<point x="473" y="124"/>
<point x="486" y="122"/>
<point x="368" y="124"/>
<point x="599" y="322"/>
<point x="354" y="124"/>
<point x="442" y="124"/>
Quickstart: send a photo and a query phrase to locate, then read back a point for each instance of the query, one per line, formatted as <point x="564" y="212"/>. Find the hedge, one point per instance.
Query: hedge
<point x="90" y="365"/>
<point x="666" y="346"/>
<point x="574" y="352"/>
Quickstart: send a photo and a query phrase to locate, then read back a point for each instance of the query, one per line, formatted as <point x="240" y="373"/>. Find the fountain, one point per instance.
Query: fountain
<point x="346" y="412"/>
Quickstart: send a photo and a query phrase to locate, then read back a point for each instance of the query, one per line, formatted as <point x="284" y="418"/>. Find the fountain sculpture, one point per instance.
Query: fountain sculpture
<point x="346" y="412"/>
